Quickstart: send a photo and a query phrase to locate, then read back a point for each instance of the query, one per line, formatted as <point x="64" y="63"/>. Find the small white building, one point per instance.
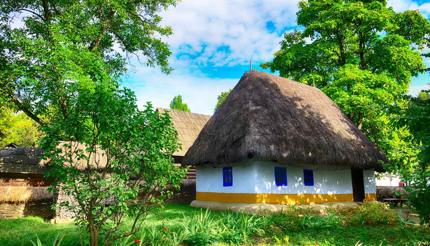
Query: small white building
<point x="277" y="141"/>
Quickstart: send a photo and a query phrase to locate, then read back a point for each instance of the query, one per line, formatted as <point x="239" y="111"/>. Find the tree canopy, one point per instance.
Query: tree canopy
<point x="60" y="64"/>
<point x="221" y="98"/>
<point x="178" y="104"/>
<point x="363" y="55"/>
<point x="119" y="164"/>
<point x="17" y="128"/>
<point x="47" y="46"/>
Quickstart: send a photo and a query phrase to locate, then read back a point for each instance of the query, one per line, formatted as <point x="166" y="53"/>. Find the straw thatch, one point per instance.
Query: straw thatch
<point x="21" y="160"/>
<point x="188" y="126"/>
<point x="267" y="117"/>
<point x="19" y="194"/>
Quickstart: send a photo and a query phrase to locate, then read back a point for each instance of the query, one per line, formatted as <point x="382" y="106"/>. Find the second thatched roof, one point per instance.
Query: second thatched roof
<point x="272" y="118"/>
<point x="188" y="126"/>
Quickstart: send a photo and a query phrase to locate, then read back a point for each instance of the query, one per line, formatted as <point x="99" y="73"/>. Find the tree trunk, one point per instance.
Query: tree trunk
<point x="94" y="236"/>
<point x="362" y="47"/>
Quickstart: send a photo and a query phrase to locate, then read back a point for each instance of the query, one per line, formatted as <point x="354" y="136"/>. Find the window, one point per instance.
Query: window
<point x="280" y="176"/>
<point x="308" y="176"/>
<point x="227" y="176"/>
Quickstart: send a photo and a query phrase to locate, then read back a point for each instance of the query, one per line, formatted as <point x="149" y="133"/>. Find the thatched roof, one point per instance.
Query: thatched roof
<point x="29" y="160"/>
<point x="188" y="125"/>
<point x="21" y="160"/>
<point x="272" y="118"/>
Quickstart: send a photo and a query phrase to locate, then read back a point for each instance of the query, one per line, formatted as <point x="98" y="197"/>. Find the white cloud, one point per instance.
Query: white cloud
<point x="402" y="5"/>
<point x="414" y="90"/>
<point x="217" y="33"/>
<point x="220" y="34"/>
<point x="202" y="27"/>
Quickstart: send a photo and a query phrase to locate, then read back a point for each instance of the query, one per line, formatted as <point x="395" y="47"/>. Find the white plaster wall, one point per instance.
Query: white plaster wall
<point x="210" y="179"/>
<point x="387" y="179"/>
<point x="326" y="181"/>
<point x="258" y="177"/>
<point x="369" y="181"/>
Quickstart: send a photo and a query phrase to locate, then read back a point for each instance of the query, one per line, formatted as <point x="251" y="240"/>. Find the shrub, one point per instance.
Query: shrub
<point x="419" y="196"/>
<point x="371" y="213"/>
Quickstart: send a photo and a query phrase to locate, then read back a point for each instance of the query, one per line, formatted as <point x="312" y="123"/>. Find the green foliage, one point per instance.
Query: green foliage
<point x="363" y="55"/>
<point x="173" y="225"/>
<point x="65" y="42"/>
<point x="417" y="119"/>
<point x="57" y="241"/>
<point x="17" y="128"/>
<point x="178" y="104"/>
<point x="320" y="222"/>
<point x="419" y="195"/>
<point x="111" y="158"/>
<point x="372" y="213"/>
<point x="61" y="69"/>
<point x="423" y="96"/>
<point x="221" y="98"/>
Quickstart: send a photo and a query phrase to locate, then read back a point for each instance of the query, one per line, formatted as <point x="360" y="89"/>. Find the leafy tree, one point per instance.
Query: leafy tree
<point x="417" y="119"/>
<point x="178" y="104"/>
<point x="221" y="98"/>
<point x="61" y="67"/>
<point x="423" y="96"/>
<point x="363" y="55"/>
<point x="61" y="40"/>
<point x="117" y="163"/>
<point x="17" y="128"/>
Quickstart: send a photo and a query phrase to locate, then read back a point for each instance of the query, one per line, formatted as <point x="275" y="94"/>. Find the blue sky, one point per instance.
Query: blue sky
<point x="213" y="42"/>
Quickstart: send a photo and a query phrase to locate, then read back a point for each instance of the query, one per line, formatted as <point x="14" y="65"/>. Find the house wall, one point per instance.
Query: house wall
<point x="254" y="182"/>
<point x="388" y="179"/>
<point x="24" y="195"/>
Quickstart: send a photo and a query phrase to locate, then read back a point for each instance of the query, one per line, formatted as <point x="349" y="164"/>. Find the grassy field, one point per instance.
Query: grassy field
<point x="181" y="224"/>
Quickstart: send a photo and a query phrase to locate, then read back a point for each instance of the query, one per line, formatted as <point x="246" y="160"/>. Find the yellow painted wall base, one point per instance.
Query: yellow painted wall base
<point x="370" y="197"/>
<point x="290" y="199"/>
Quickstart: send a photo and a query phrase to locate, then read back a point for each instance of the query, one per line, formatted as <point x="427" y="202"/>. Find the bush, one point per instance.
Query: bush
<point x="371" y="213"/>
<point x="419" y="197"/>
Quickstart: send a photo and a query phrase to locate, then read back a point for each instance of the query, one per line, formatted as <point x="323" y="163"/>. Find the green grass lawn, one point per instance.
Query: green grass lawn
<point x="181" y="224"/>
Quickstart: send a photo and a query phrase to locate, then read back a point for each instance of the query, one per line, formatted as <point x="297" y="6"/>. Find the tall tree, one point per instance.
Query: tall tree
<point x="60" y="63"/>
<point x="417" y="119"/>
<point x="221" y="98"/>
<point x="46" y="45"/>
<point x="363" y="55"/>
<point x="119" y="164"/>
<point x="178" y="104"/>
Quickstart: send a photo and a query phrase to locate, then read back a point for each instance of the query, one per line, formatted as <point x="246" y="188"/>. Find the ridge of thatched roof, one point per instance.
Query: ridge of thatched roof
<point x="267" y="117"/>
<point x="188" y="126"/>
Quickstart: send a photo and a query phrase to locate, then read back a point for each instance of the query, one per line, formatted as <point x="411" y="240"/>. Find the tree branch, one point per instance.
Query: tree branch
<point x="46" y="12"/>
<point x="25" y="109"/>
<point x="31" y="11"/>
<point x="96" y="43"/>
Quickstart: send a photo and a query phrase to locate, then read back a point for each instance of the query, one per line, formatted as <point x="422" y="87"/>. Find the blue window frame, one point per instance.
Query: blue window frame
<point x="227" y="176"/>
<point x="308" y="177"/>
<point x="280" y="176"/>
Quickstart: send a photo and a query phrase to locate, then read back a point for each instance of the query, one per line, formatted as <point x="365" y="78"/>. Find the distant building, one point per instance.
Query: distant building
<point x="23" y="189"/>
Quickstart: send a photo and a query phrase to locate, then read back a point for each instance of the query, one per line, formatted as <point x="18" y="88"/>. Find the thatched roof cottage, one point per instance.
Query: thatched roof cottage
<point x="281" y="142"/>
<point x="23" y="189"/>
